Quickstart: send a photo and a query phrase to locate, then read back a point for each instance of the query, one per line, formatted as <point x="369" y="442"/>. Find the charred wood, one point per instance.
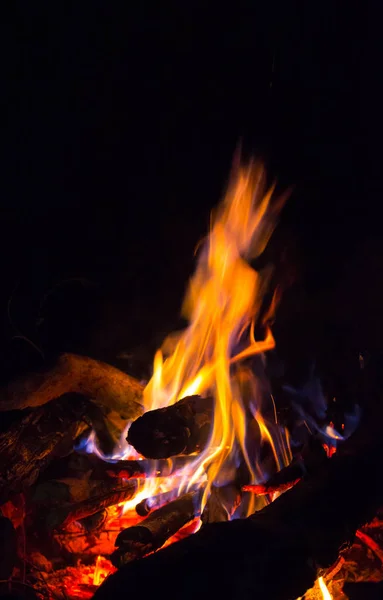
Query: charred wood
<point x="107" y="433"/>
<point x="182" y="428"/>
<point x="105" y="385"/>
<point x="76" y="465"/>
<point x="128" y="469"/>
<point x="94" y="522"/>
<point x="61" y="518"/>
<point x="35" y="439"/>
<point x="59" y="503"/>
<point x="148" y="505"/>
<point x="265" y="489"/>
<point x="302" y="530"/>
<point x="79" y="466"/>
<point x="221" y="504"/>
<point x="155" y="530"/>
<point x="312" y="456"/>
<point x="61" y="492"/>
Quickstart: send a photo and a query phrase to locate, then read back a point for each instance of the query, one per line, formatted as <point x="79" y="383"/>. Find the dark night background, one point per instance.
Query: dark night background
<point x="121" y="125"/>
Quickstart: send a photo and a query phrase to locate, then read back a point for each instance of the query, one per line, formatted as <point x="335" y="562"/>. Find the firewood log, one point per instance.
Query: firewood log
<point x="221" y="504"/>
<point x="152" y="533"/>
<point x="105" y="385"/>
<point x="95" y="522"/>
<point x="35" y="439"/>
<point x="275" y="553"/>
<point x="128" y="469"/>
<point x="265" y="489"/>
<point x="79" y="465"/>
<point x="182" y="428"/>
<point x="312" y="456"/>
<point x="148" y="505"/>
<point x="69" y="491"/>
<point x="97" y="497"/>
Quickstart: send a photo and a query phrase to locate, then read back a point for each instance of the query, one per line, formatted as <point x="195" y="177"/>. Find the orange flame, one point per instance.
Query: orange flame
<point x="324" y="589"/>
<point x="222" y="304"/>
<point x="102" y="569"/>
<point x="325" y="594"/>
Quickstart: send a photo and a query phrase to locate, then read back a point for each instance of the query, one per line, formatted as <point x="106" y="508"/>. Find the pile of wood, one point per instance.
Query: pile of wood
<point x="56" y="502"/>
<point x="276" y="553"/>
<point x="46" y="487"/>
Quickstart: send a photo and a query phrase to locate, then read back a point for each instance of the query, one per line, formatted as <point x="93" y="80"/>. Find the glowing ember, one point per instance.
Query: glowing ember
<point x="103" y="568"/>
<point x="330" y="450"/>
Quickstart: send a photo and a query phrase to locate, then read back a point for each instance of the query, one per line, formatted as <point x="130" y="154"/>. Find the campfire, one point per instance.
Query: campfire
<point x="216" y="476"/>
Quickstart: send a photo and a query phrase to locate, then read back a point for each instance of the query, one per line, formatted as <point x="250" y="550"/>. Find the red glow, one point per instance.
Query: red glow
<point x="330" y="450"/>
<point x="262" y="490"/>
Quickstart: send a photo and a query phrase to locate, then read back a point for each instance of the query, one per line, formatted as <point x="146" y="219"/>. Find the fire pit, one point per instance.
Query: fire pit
<point x="218" y="452"/>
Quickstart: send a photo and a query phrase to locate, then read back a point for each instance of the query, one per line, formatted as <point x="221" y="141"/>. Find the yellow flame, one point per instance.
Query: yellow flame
<point x="99" y="572"/>
<point x="324" y="589"/>
<point x="222" y="304"/>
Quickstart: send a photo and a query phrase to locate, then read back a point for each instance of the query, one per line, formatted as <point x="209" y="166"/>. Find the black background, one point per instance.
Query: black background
<point x="120" y="128"/>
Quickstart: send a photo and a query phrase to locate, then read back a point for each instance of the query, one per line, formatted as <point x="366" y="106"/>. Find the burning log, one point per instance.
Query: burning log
<point x="77" y="466"/>
<point x="221" y="504"/>
<point x="100" y="497"/>
<point x="148" y="505"/>
<point x="155" y="530"/>
<point x="182" y="428"/>
<point x="95" y="522"/>
<point x="106" y="431"/>
<point x="304" y="528"/>
<point x="311" y="458"/>
<point x="35" y="439"/>
<point x="128" y="469"/>
<point x="103" y="384"/>
<point x="264" y="489"/>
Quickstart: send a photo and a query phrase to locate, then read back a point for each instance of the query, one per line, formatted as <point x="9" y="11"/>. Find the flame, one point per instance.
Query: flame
<point x="324" y="589"/>
<point x="325" y="594"/>
<point x="223" y="304"/>
<point x="102" y="569"/>
<point x="122" y="451"/>
<point x="329" y="449"/>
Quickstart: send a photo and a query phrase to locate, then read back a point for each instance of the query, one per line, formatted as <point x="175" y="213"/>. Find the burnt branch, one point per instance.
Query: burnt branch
<point x="78" y="465"/>
<point x="221" y="503"/>
<point x="128" y="469"/>
<point x="101" y="496"/>
<point x="35" y="439"/>
<point x="182" y="428"/>
<point x="312" y="457"/>
<point x="302" y="530"/>
<point x="155" y="530"/>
